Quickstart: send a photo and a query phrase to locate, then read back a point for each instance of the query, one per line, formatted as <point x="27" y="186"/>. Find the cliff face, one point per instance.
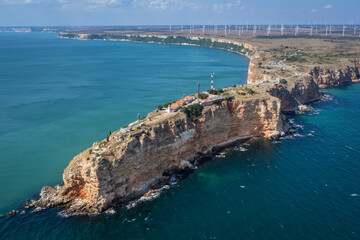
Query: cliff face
<point x="295" y="94"/>
<point x="131" y="163"/>
<point x="328" y="77"/>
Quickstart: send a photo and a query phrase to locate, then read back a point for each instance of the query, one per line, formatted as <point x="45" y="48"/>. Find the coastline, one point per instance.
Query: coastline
<point x="288" y="98"/>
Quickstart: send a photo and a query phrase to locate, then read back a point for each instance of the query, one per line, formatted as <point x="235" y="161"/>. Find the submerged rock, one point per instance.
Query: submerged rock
<point x="12" y="213"/>
<point x="38" y="209"/>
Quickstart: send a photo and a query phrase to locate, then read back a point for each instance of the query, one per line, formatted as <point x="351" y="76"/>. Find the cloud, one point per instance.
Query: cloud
<point x="171" y="4"/>
<point x="314" y="10"/>
<point x="18" y="2"/>
<point x="328" y="6"/>
<point x="229" y="5"/>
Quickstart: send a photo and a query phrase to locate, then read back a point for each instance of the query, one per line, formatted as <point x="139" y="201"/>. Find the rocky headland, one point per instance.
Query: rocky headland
<point x="134" y="160"/>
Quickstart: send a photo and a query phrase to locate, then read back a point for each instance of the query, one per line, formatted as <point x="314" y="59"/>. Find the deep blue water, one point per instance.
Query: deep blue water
<point x="59" y="96"/>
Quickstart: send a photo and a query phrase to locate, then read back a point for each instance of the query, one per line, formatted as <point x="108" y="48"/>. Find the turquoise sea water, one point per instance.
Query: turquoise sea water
<point x="58" y="96"/>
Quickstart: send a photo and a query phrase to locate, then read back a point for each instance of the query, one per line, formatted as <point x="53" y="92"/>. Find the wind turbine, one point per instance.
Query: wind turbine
<point x="343" y="31"/>
<point x="355" y="29"/>
<point x="296" y="30"/>
<point x="282" y="30"/>
<point x="225" y="29"/>
<point x="326" y="33"/>
<point x="268" y="30"/>
<point x="203" y="29"/>
<point x="330" y="29"/>
<point x="254" y="30"/>
<point x="311" y="30"/>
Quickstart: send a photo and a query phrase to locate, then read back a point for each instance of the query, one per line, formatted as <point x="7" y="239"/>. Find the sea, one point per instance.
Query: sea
<point x="58" y="96"/>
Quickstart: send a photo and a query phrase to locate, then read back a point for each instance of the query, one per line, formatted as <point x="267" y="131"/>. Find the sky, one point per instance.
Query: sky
<point x="176" y="12"/>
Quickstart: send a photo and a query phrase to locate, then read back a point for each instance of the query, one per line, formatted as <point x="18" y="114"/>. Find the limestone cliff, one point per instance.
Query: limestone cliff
<point x="132" y="163"/>
<point x="294" y="94"/>
<point x="329" y="77"/>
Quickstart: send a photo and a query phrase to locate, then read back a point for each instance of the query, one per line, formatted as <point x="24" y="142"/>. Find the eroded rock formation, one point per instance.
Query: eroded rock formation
<point x="131" y="163"/>
<point x="328" y="77"/>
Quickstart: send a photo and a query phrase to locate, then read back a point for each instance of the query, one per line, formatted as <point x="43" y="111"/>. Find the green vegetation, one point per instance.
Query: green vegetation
<point x="159" y="107"/>
<point x="229" y="98"/>
<point x="102" y="144"/>
<point x="203" y="96"/>
<point x="167" y="104"/>
<point x="169" y="40"/>
<point x="90" y="151"/>
<point x="193" y="110"/>
<point x="125" y="126"/>
<point x="296" y="58"/>
<point x="142" y="118"/>
<point x="249" y="91"/>
<point x="215" y="92"/>
<point x="217" y="101"/>
<point x="97" y="155"/>
<point x="107" y="137"/>
<point x="283" y="81"/>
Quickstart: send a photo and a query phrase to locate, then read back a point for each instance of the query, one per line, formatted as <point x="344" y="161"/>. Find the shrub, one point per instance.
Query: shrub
<point x="193" y="110"/>
<point x="215" y="92"/>
<point x="212" y="91"/>
<point x="217" y="102"/>
<point x="97" y="155"/>
<point x="229" y="98"/>
<point x="196" y="109"/>
<point x="283" y="81"/>
<point x="250" y="91"/>
<point x="166" y="104"/>
<point x="203" y="96"/>
<point x="186" y="110"/>
<point x="90" y="151"/>
<point x="125" y="126"/>
<point x="103" y="143"/>
<point x="159" y="107"/>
